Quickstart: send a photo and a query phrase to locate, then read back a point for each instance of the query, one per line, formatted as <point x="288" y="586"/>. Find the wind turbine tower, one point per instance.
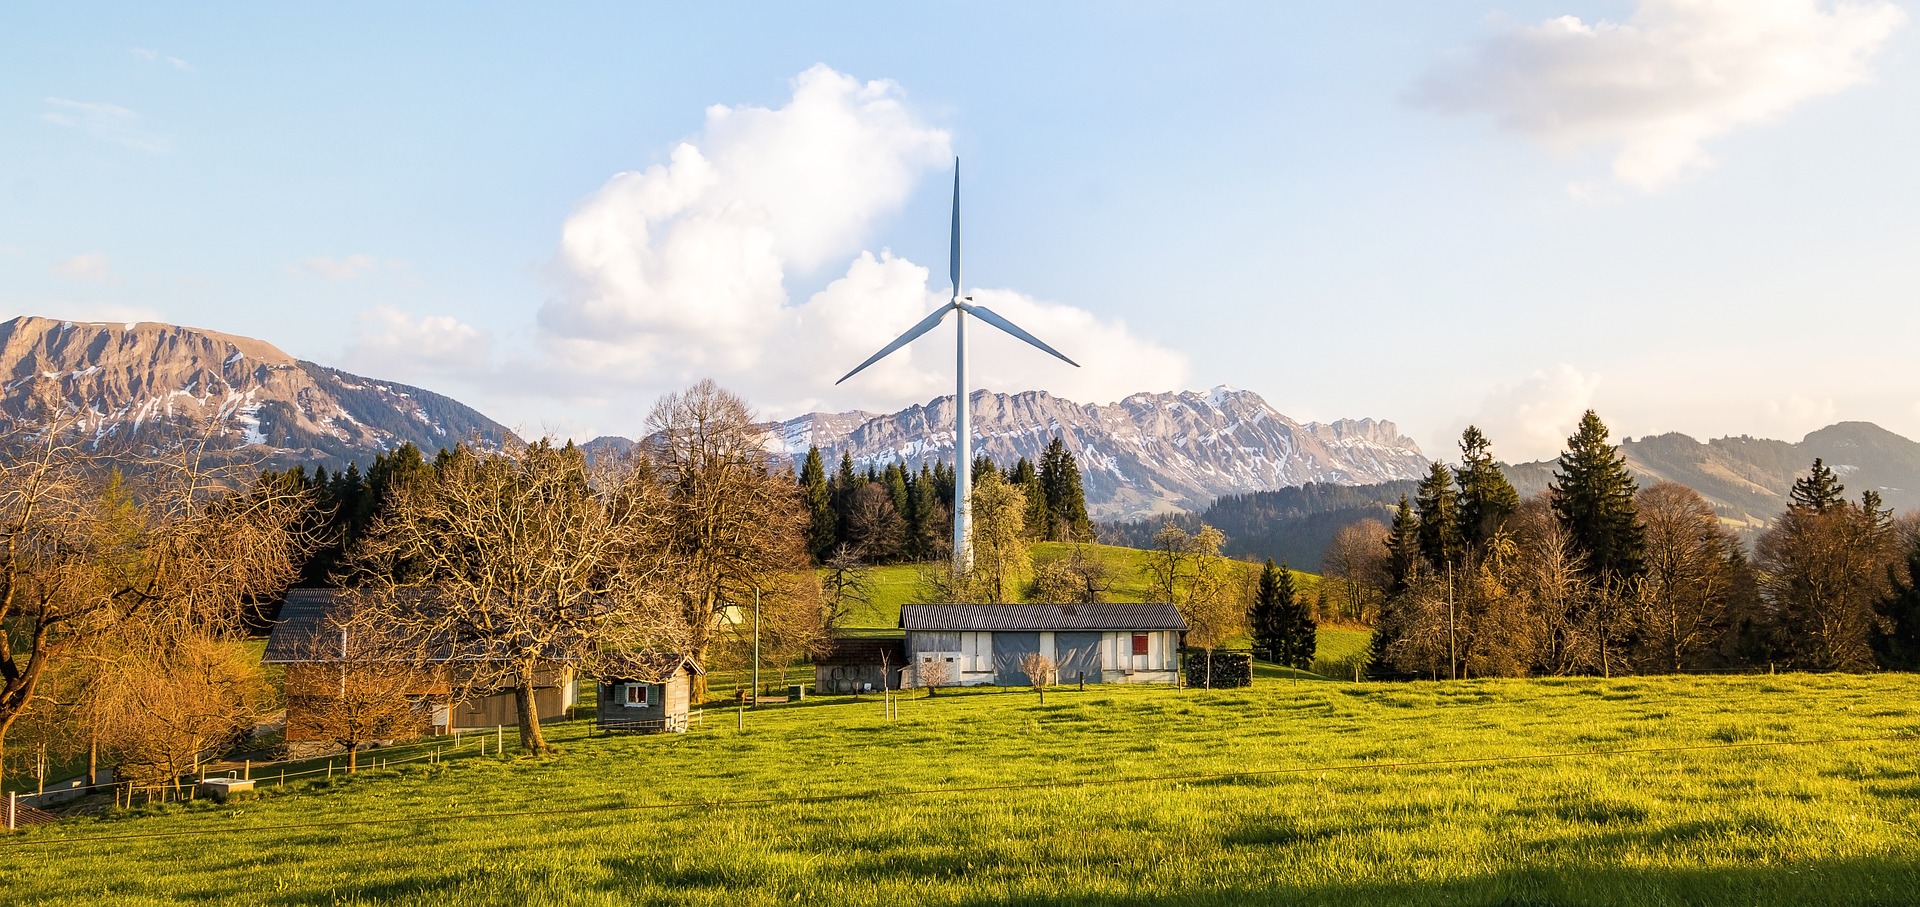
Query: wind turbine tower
<point x="960" y="307"/>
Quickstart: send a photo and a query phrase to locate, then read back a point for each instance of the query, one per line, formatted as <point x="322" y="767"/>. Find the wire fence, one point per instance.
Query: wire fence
<point x="925" y="792"/>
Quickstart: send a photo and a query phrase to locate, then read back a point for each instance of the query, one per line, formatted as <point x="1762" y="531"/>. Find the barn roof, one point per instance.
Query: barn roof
<point x="300" y="617"/>
<point x="1106" y="616"/>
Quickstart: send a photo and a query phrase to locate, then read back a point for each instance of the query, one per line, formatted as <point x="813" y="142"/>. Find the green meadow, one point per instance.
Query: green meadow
<point x="1297" y="790"/>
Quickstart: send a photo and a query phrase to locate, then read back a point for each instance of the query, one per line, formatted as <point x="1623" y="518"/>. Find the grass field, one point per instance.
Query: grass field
<point x="655" y="820"/>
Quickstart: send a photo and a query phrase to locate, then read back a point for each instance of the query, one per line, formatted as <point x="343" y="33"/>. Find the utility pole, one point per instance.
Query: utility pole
<point x="1453" y="657"/>
<point x="756" y="645"/>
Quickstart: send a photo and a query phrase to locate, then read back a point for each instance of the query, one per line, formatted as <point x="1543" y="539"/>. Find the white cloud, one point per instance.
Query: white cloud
<point x="389" y="341"/>
<point x="154" y="56"/>
<point x="1792" y="416"/>
<point x="338" y="268"/>
<point x="1531" y="419"/>
<point x="108" y="122"/>
<point x="85" y="266"/>
<point x="1658" y="86"/>
<point x="680" y="271"/>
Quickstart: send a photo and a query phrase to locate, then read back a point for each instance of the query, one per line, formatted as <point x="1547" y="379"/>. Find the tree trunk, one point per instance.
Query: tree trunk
<point x="93" y="760"/>
<point x="353" y="758"/>
<point x="529" y="713"/>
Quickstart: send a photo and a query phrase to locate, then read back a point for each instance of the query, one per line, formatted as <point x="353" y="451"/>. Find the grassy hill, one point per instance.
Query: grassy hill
<point x="898" y="584"/>
<point x="1561" y="791"/>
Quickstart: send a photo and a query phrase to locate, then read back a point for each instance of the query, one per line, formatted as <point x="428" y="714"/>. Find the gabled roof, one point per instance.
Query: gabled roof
<point x="652" y="667"/>
<point x="1106" y="616"/>
<point x="300" y="617"/>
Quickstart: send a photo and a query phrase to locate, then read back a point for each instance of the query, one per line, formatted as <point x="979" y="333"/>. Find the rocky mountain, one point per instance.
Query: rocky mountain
<point x="1747" y="479"/>
<point x="1148" y="453"/>
<point x="141" y="385"/>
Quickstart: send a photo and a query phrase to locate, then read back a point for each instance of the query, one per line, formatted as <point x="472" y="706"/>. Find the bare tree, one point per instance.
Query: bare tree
<point x="731" y="527"/>
<point x="174" y="706"/>
<point x="932" y="673"/>
<point x="1356" y="578"/>
<point x="1693" y="572"/>
<point x="84" y="554"/>
<point x="1079" y="578"/>
<point x="846" y="584"/>
<point x="1821" y="570"/>
<point x="522" y="564"/>
<point x="354" y="691"/>
<point x="1039" y="670"/>
<point x="874" y="526"/>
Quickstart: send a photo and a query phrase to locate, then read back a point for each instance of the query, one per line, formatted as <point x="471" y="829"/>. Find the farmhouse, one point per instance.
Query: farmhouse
<point x="647" y="694"/>
<point x="1100" y="643"/>
<point x="297" y="644"/>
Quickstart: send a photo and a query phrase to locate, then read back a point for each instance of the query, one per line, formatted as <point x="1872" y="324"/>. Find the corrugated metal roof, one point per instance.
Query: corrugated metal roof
<point x="1113" y="616"/>
<point x="300" y="617"/>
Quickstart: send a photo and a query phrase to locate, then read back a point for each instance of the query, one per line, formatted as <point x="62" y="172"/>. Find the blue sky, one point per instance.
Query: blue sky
<point x="1692" y="215"/>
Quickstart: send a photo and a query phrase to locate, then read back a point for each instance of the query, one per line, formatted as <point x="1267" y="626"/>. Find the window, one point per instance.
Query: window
<point x="636" y="696"/>
<point x="1139" y="643"/>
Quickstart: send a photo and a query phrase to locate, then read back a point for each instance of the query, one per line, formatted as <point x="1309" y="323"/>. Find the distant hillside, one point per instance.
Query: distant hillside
<point x="143" y="385"/>
<point x="1292" y="525"/>
<point x="1747" y="479"/>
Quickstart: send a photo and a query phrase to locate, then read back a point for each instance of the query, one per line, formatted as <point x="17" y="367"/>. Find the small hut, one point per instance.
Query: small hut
<point x="647" y="694"/>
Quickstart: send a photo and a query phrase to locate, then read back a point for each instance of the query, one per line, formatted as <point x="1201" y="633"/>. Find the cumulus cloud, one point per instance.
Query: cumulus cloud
<point x="681" y="270"/>
<point x="85" y="266"/>
<point x="1655" y="88"/>
<point x="107" y="122"/>
<point x="338" y="268"/>
<point x="389" y="341"/>
<point x="1531" y="419"/>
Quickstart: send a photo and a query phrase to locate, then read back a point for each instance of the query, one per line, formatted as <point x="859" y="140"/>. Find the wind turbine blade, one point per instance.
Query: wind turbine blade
<point x="953" y="256"/>
<point x="926" y="324"/>
<point x="985" y="314"/>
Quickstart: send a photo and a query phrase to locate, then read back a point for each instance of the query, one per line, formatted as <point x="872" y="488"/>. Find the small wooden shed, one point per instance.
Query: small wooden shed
<point x="860" y="664"/>
<point x="647" y="694"/>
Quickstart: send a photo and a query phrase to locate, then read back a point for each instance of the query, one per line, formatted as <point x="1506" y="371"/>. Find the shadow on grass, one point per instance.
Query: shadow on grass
<point x="1868" y="882"/>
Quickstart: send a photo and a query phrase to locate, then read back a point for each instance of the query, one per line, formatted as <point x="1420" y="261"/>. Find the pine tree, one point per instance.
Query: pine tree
<point x="1896" y="645"/>
<point x="1028" y="480"/>
<point x="943" y="484"/>
<point x="1486" y="498"/>
<point x="1302" y="629"/>
<point x="1403" y="549"/>
<point x="928" y="519"/>
<point x="1592" y="495"/>
<point x="1439" y="509"/>
<point x="1067" y="519"/>
<point x="1818" y="490"/>
<point x="843" y="486"/>
<point x="823" y="531"/>
<point x="1263" y="618"/>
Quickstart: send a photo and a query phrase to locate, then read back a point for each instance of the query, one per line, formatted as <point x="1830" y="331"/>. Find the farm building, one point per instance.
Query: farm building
<point x="647" y="694"/>
<point x="860" y="664"/>
<point x="298" y="643"/>
<point x="1100" y="643"/>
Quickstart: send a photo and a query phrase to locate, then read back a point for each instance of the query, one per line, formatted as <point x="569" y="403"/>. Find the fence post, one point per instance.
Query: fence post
<point x="13" y="804"/>
<point x="499" y="740"/>
<point x="329" y="769"/>
<point x="247" y="773"/>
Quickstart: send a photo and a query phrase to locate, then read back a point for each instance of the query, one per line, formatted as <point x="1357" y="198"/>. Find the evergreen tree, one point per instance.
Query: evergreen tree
<point x="845" y="483"/>
<point x="1486" y="498"/>
<point x="1592" y="494"/>
<point x="1067" y="519"/>
<point x="823" y="531"/>
<point x="1439" y="510"/>
<point x="1295" y="643"/>
<point x="943" y="484"/>
<point x="1896" y="646"/>
<point x="982" y="464"/>
<point x="1403" y="549"/>
<point x="928" y="520"/>
<point x="1263" y="618"/>
<point x="896" y="479"/>
<point x="1819" y="489"/>
<point x="1028" y="480"/>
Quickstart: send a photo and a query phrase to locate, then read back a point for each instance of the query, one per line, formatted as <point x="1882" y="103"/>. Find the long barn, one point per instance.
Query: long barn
<point x="1100" y="643"/>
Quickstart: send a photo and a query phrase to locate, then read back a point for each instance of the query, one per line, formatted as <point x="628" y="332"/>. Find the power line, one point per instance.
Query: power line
<point x="977" y="789"/>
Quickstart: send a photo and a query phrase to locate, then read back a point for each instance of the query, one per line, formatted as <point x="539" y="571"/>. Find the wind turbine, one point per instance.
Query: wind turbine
<point x="960" y="307"/>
